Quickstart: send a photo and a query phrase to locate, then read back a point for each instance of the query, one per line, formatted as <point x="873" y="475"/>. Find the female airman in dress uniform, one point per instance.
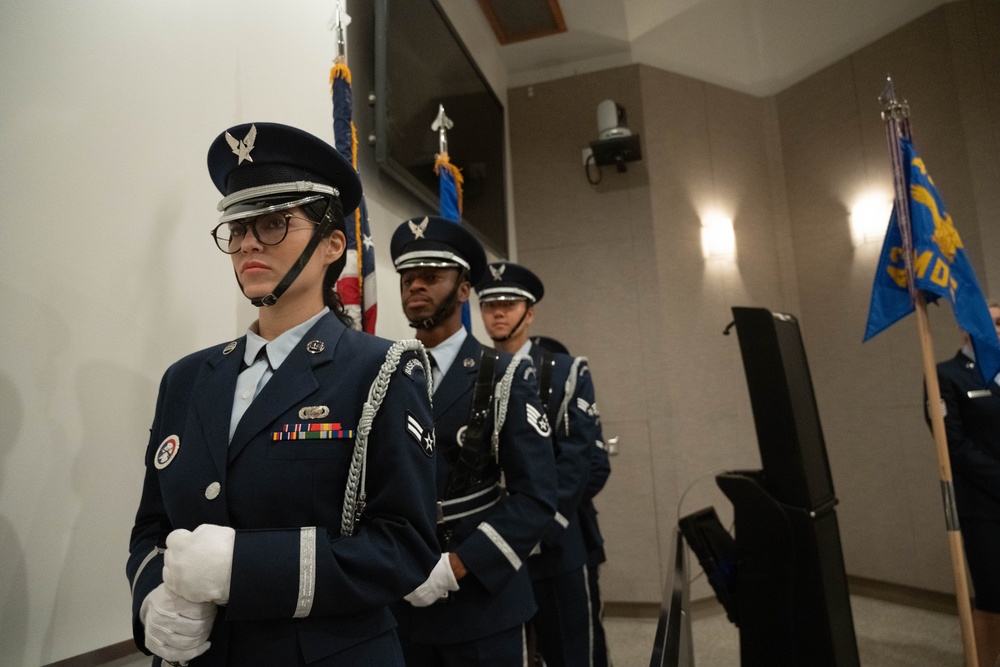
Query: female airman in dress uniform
<point x="289" y="487"/>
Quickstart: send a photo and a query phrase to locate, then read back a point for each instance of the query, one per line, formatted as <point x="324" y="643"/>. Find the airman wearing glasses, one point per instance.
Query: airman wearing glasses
<point x="289" y="486"/>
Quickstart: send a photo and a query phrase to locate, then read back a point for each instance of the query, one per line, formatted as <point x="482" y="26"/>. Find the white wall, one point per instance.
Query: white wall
<point x="108" y="272"/>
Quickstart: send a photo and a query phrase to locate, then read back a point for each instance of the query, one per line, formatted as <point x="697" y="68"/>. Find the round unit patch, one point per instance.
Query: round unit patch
<point x="166" y="452"/>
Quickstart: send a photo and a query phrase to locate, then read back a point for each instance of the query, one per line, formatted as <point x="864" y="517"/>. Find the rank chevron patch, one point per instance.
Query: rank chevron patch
<point x="423" y="436"/>
<point x="589" y="408"/>
<point x="538" y="421"/>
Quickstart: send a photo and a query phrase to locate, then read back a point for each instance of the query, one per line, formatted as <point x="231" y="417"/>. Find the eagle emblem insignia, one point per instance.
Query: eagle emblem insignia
<point x="241" y="149"/>
<point x="418" y="230"/>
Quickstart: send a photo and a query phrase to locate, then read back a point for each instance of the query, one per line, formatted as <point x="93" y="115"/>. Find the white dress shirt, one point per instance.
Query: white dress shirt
<point x="259" y="371"/>
<point x="445" y="353"/>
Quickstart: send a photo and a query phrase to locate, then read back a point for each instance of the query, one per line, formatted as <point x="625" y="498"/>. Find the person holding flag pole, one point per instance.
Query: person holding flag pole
<point x="972" y="425"/>
<point x="356" y="284"/>
<point x="922" y="259"/>
<point x="496" y="473"/>
<point x="563" y="628"/>
<point x="290" y="473"/>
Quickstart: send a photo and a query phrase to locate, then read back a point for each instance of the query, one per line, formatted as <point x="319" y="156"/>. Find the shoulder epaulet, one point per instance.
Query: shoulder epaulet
<point x="503" y="398"/>
<point x="577" y="369"/>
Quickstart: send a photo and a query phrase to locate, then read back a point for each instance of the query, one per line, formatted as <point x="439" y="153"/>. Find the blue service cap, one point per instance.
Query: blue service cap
<point x="549" y="344"/>
<point x="435" y="242"/>
<point x="507" y="281"/>
<point x="264" y="167"/>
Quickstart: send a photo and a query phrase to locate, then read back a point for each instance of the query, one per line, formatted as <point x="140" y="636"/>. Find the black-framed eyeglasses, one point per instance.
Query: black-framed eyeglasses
<point x="269" y="228"/>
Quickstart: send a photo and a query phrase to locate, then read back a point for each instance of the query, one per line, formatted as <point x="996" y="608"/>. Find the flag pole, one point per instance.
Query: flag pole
<point x="338" y="24"/>
<point x="449" y="187"/>
<point x="896" y="115"/>
<point x="356" y="284"/>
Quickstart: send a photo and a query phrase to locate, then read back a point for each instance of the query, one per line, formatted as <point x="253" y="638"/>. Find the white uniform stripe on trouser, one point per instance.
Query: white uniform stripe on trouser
<point x="524" y="645"/>
<point x="590" y="617"/>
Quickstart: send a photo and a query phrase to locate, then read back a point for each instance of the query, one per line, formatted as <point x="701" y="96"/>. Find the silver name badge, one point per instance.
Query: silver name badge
<point x="979" y="393"/>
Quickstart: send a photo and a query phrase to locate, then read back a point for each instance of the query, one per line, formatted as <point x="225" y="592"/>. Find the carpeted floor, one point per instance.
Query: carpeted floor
<point x="889" y="635"/>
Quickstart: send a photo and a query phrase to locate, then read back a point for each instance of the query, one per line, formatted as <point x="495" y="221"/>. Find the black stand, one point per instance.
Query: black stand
<point x="791" y="593"/>
<point x="782" y="579"/>
<point x="672" y="645"/>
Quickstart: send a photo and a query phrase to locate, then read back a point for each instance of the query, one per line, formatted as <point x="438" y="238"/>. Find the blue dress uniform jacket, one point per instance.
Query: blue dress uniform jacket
<point x="493" y="544"/>
<point x="575" y="436"/>
<point x="600" y="470"/>
<point x="972" y="424"/>
<point x="285" y="497"/>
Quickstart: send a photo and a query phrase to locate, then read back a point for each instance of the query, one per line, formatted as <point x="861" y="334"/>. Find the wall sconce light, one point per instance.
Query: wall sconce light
<point x="717" y="238"/>
<point x="615" y="142"/>
<point x="869" y="219"/>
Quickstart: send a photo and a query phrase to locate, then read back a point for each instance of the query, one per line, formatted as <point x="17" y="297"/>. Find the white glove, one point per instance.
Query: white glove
<point x="198" y="566"/>
<point x="176" y="629"/>
<point x="440" y="581"/>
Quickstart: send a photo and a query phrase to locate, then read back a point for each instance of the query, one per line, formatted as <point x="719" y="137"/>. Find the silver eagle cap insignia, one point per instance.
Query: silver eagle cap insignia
<point x="241" y="149"/>
<point x="418" y="230"/>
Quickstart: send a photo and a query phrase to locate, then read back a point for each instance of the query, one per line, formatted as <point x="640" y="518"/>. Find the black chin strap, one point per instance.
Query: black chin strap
<point x="502" y="339"/>
<point x="323" y="229"/>
<point x="443" y="311"/>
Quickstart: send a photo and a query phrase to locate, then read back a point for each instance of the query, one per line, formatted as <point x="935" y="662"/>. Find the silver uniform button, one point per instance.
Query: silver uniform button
<point x="468" y="362"/>
<point x="213" y="490"/>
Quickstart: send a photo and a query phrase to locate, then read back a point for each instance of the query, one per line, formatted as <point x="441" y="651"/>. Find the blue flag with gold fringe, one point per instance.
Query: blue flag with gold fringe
<point x="450" y="190"/>
<point x="940" y="266"/>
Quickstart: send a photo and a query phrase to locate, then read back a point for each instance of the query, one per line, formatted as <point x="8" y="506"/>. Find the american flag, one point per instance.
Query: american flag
<point x="356" y="284"/>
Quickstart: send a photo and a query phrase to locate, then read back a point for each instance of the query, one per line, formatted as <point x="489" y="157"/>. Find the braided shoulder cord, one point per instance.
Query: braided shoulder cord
<point x="425" y="360"/>
<point x="574" y="371"/>
<point x="502" y="399"/>
<point x="354" y="494"/>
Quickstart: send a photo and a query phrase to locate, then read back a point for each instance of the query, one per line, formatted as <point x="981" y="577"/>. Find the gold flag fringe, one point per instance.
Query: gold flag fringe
<point x="340" y="70"/>
<point x="443" y="161"/>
